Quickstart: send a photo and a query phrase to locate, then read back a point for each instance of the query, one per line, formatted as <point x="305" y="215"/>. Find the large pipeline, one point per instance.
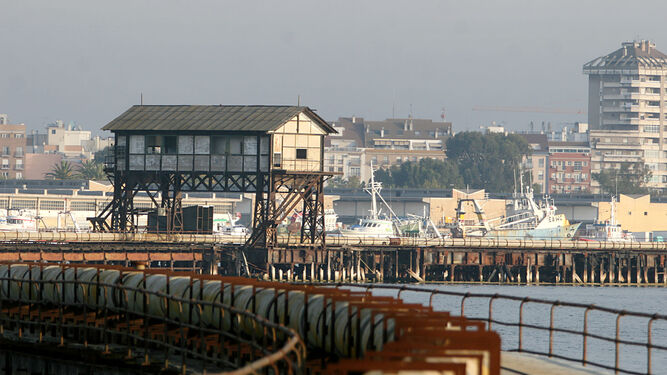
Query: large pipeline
<point x="323" y="323"/>
<point x="469" y="243"/>
<point x="345" y="329"/>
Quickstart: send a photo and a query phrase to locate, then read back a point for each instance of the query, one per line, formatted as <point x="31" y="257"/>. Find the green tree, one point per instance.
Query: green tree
<point x="341" y="183"/>
<point x="91" y="170"/>
<point x="101" y="155"/>
<point x="427" y="174"/>
<point x="488" y="161"/>
<point x="629" y="179"/>
<point x="62" y="171"/>
<point x="537" y="189"/>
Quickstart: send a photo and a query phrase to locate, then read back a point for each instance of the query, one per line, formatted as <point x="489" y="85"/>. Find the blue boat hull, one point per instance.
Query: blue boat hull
<point x="558" y="233"/>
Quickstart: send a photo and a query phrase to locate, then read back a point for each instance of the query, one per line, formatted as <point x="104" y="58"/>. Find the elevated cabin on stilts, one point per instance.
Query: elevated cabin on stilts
<point x="275" y="152"/>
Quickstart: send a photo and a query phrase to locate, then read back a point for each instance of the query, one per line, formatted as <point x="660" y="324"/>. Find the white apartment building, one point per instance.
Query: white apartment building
<point x="65" y="136"/>
<point x="627" y="109"/>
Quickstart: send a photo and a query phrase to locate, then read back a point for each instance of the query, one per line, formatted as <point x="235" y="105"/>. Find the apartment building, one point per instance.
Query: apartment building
<point x="360" y="143"/>
<point x="537" y="161"/>
<point x="12" y="149"/>
<point x="569" y="167"/>
<point x="627" y="110"/>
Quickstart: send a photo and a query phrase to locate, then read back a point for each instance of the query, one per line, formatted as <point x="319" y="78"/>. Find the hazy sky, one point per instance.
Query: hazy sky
<point x="88" y="61"/>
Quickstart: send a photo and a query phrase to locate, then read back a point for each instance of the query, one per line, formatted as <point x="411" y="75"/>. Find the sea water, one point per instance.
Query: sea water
<point x="652" y="300"/>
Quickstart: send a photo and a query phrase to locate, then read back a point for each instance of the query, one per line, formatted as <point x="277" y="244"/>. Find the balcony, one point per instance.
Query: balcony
<point x="611" y="84"/>
<point x="5" y="166"/>
<point x="621" y="158"/>
<point x="617" y="145"/>
<point x="644" y="96"/>
<point x="640" y="83"/>
<point x="615" y="108"/>
<point x="18" y="154"/>
<point x="18" y="167"/>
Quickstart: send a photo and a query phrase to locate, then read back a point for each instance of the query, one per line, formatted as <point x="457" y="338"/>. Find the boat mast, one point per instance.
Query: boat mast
<point x="374" y="189"/>
<point x="612" y="219"/>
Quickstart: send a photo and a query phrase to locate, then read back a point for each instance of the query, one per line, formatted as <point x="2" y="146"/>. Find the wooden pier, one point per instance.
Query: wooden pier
<point x="467" y="265"/>
<point x="359" y="260"/>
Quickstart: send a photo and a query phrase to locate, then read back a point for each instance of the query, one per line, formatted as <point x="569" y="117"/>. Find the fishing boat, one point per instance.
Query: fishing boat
<point x="525" y="219"/>
<point x="375" y="225"/>
<point x="608" y="230"/>
<point x="20" y="222"/>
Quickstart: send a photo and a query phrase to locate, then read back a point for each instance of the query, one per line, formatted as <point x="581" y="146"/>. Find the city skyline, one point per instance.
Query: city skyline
<point x="75" y="62"/>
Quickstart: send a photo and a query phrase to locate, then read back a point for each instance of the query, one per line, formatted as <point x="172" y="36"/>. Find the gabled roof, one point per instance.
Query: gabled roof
<point x="249" y="118"/>
<point x="631" y="55"/>
<point x="538" y="142"/>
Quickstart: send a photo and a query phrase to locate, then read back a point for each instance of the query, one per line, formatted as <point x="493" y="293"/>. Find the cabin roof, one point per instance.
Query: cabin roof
<point x="229" y="118"/>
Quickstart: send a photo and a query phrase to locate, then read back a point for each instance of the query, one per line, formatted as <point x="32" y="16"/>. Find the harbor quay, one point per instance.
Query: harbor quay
<point x="472" y="260"/>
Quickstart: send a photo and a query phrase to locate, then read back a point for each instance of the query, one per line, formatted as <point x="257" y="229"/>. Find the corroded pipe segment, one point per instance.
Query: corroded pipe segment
<point x="335" y="323"/>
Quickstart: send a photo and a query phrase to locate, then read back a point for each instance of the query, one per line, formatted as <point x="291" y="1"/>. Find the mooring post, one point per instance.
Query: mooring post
<point x="381" y="265"/>
<point x="395" y="264"/>
<point x="422" y="264"/>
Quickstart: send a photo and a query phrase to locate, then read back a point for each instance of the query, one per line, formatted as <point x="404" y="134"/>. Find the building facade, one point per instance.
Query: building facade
<point x="383" y="144"/>
<point x="569" y="168"/>
<point x="627" y="110"/>
<point x="537" y="161"/>
<point x="12" y="149"/>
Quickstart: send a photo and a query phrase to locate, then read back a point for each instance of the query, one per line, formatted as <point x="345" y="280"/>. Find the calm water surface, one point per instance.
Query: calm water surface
<point x="651" y="300"/>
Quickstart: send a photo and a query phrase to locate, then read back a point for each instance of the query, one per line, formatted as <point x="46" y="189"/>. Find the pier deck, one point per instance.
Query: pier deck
<point x="471" y="260"/>
<point x="512" y="363"/>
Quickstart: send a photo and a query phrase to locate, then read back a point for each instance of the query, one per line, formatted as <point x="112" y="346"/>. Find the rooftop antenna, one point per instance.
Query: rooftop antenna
<point x="141" y="99"/>
<point x="298" y="100"/>
<point x="442" y="114"/>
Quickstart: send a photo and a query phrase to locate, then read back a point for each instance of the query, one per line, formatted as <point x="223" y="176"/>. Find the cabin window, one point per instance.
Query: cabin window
<point x="219" y="145"/>
<point x="301" y="153"/>
<point x="235" y="145"/>
<point x="202" y="145"/>
<point x="185" y="144"/>
<point x="153" y="144"/>
<point x="277" y="159"/>
<point x="170" y="145"/>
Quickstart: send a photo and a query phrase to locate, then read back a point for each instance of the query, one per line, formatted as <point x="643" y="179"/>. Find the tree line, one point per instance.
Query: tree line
<point x="87" y="170"/>
<point x="474" y="159"/>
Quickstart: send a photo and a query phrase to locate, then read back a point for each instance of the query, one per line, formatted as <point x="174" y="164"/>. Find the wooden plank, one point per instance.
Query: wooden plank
<point x="73" y="256"/>
<point x="30" y="256"/>
<point x="52" y="257"/>
<point x="93" y="256"/>
<point x="9" y="256"/>
<point x="160" y="256"/>
<point x="183" y="256"/>
<point x="137" y="257"/>
<point x="114" y="256"/>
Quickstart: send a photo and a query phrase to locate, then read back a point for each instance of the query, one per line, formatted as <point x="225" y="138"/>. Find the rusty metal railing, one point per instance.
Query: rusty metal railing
<point x="129" y="324"/>
<point x="585" y="334"/>
<point x="333" y="241"/>
<point x="211" y="323"/>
